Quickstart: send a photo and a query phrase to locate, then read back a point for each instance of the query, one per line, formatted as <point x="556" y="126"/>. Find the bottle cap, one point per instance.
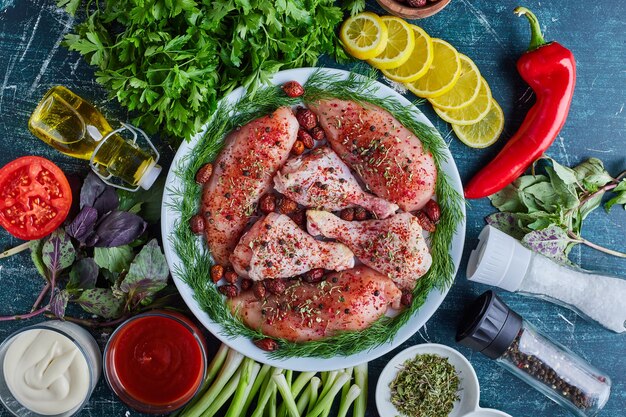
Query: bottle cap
<point x="488" y="326"/>
<point x="498" y="260"/>
<point x="150" y="176"/>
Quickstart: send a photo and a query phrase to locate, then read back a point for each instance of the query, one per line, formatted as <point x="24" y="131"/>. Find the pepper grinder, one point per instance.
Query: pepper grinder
<point x="489" y="326"/>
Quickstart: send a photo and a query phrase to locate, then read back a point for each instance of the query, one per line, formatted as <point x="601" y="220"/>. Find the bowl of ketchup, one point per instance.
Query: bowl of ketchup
<point x="155" y="362"/>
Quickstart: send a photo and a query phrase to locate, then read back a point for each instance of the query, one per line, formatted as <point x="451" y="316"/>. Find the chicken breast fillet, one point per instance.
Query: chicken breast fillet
<point x="275" y="247"/>
<point x="393" y="246"/>
<point x="387" y="156"/>
<point x="242" y="173"/>
<point x="346" y="301"/>
<point x="322" y="180"/>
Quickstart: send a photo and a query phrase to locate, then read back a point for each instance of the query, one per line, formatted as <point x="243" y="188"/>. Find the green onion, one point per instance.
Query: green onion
<point x="296" y="387"/>
<point x="232" y="362"/>
<point x="303" y="401"/>
<point x="314" y="387"/>
<point x="327" y="400"/>
<point x="272" y="403"/>
<point x="353" y="393"/>
<point x="224" y="395"/>
<point x="266" y="393"/>
<point x="212" y="370"/>
<point x="360" y="379"/>
<point x="285" y="391"/>
<point x="248" y="376"/>
<point x="216" y="364"/>
<point x="258" y="382"/>
<point x="346" y="386"/>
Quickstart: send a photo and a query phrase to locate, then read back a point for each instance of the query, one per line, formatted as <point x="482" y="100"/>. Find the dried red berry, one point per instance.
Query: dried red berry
<point x="267" y="344"/>
<point x="432" y="210"/>
<point x="318" y="133"/>
<point x="231" y="277"/>
<point x="204" y="173"/>
<point x="246" y="284"/>
<point x="229" y="290"/>
<point x="347" y="214"/>
<point x="306" y="139"/>
<point x="293" y="89"/>
<point x="267" y="204"/>
<point x="299" y="218"/>
<point x="286" y="205"/>
<point x="407" y="298"/>
<point x="360" y="213"/>
<point x="306" y="118"/>
<point x="298" y="148"/>
<point x="314" y="275"/>
<point x="258" y="289"/>
<point x="425" y="222"/>
<point x="196" y="223"/>
<point x="275" y="286"/>
<point x="217" y="272"/>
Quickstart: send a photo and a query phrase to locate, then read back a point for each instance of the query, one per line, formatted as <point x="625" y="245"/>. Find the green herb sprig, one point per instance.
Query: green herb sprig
<point x="195" y="260"/>
<point x="170" y="61"/>
<point x="546" y="209"/>
<point x="426" y="385"/>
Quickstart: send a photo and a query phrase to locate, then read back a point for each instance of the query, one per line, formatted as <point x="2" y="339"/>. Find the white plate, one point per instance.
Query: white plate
<point x="244" y="345"/>
<point x="469" y="388"/>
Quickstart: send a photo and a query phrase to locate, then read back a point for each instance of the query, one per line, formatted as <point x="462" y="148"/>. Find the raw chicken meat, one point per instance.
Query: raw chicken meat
<point x="387" y="156"/>
<point x="275" y="247"/>
<point x="242" y="173"/>
<point x="394" y="246"/>
<point x="347" y="300"/>
<point x="322" y="180"/>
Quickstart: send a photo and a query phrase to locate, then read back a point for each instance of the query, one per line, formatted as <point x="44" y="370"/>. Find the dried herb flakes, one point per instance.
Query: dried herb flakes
<point x="426" y="385"/>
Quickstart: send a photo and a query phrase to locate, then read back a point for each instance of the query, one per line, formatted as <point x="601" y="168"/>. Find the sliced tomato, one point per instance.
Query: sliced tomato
<point x="35" y="197"/>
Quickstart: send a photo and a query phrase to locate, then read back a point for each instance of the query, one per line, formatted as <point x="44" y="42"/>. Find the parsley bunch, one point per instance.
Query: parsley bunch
<point x="170" y="61"/>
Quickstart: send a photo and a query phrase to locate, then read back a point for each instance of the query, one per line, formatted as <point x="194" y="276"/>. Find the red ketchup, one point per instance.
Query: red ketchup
<point x="156" y="362"/>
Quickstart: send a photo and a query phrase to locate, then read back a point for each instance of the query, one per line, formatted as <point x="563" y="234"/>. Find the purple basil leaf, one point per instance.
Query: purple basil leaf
<point x="91" y="190"/>
<point x="119" y="228"/>
<point x="83" y="275"/>
<point x="107" y="201"/>
<point x="102" y="302"/>
<point x="83" y="224"/>
<point x="552" y="242"/>
<point x="57" y="251"/>
<point x="147" y="274"/>
<point x="59" y="303"/>
<point x="95" y="193"/>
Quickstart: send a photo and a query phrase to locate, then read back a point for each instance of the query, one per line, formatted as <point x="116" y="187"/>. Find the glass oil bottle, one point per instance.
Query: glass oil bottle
<point x="76" y="128"/>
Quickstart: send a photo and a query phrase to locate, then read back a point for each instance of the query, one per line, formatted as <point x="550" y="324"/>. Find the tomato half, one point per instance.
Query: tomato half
<point x="35" y="197"/>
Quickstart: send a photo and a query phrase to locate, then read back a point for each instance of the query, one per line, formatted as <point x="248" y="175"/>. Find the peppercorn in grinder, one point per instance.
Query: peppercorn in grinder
<point x="489" y="326"/>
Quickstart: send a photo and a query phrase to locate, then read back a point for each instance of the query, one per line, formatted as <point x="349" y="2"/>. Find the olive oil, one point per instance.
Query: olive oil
<point x="75" y="127"/>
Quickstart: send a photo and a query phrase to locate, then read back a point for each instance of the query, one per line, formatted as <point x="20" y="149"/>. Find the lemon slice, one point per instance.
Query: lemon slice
<point x="419" y="60"/>
<point x="443" y="73"/>
<point x="471" y="114"/>
<point x="400" y="44"/>
<point x="485" y="132"/>
<point x="465" y="90"/>
<point x="364" y="36"/>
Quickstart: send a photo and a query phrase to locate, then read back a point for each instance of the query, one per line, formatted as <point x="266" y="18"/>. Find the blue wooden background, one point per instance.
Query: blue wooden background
<point x="32" y="61"/>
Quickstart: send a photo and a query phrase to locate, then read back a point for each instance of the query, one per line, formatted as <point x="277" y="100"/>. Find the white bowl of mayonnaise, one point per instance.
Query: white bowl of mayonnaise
<point x="49" y="369"/>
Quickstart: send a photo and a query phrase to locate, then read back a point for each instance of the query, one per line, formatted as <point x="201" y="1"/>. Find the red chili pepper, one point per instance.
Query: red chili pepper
<point x="550" y="70"/>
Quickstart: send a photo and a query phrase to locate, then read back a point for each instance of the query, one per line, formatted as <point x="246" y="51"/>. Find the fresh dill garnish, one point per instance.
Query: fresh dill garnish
<point x="195" y="262"/>
<point x="426" y="385"/>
